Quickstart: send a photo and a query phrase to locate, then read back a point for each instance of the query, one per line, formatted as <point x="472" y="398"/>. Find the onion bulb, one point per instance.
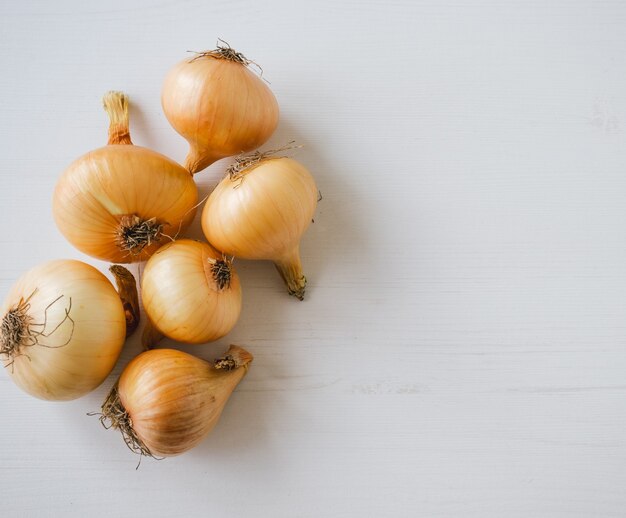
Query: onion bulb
<point x="219" y="106"/>
<point x="191" y="293"/>
<point x="119" y="203"/>
<point x="260" y="210"/>
<point x="63" y="328"/>
<point x="167" y="401"/>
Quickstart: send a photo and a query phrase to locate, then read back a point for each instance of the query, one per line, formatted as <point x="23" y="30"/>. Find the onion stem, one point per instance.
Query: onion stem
<point x="127" y="289"/>
<point x="198" y="159"/>
<point x="235" y="357"/>
<point x="116" y="106"/>
<point x="151" y="336"/>
<point x="290" y="269"/>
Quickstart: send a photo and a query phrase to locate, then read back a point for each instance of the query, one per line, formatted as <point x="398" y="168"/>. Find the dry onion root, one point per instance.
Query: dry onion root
<point x="218" y="105"/>
<point x="191" y="293"/>
<point x="63" y="328"/>
<point x="122" y="202"/>
<point x="167" y="401"/>
<point x="260" y="210"/>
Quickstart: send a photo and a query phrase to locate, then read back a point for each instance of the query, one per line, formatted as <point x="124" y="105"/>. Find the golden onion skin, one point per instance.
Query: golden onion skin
<point x="122" y="202"/>
<point x="99" y="190"/>
<point x="262" y="213"/>
<point x="174" y="399"/>
<point x="77" y="355"/>
<point x="220" y="107"/>
<point x="182" y="298"/>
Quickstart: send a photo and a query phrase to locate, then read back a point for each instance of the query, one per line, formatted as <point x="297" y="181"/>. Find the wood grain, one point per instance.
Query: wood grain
<point x="462" y="348"/>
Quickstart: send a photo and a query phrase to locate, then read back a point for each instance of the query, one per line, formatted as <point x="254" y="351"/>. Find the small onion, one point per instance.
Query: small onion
<point x="63" y="328"/>
<point x="120" y="203"/>
<point x="219" y="106"/>
<point x="167" y="401"/>
<point x="260" y="211"/>
<point x="191" y="293"/>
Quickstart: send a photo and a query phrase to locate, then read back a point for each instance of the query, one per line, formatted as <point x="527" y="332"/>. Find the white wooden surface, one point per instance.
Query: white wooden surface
<point x="462" y="348"/>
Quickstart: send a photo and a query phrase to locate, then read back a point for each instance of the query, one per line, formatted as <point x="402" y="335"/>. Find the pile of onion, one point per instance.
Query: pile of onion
<point x="63" y="324"/>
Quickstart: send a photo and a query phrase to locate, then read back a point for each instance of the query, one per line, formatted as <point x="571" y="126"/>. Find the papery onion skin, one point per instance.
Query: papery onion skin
<point x="174" y="399"/>
<point x="181" y="296"/>
<point x="78" y="356"/>
<point x="262" y="213"/>
<point x="99" y="189"/>
<point x="111" y="187"/>
<point x="220" y="107"/>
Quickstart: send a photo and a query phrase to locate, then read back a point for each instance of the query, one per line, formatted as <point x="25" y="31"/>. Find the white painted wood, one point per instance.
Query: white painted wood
<point x="462" y="348"/>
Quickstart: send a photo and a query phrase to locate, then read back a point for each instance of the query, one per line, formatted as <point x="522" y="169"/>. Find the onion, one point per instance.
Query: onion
<point x="119" y="203"/>
<point x="63" y="328"/>
<point x="167" y="401"/>
<point x="191" y="293"/>
<point x="219" y="106"/>
<point x="260" y="211"/>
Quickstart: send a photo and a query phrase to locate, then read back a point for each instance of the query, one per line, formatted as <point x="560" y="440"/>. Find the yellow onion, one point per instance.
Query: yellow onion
<point x="120" y="203"/>
<point x="219" y="106"/>
<point x="167" y="401"/>
<point x="260" y="211"/>
<point x="63" y="328"/>
<point x="191" y="293"/>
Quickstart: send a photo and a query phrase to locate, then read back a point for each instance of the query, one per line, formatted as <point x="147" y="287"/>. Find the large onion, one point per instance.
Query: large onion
<point x="219" y="106"/>
<point x="167" y="401"/>
<point x="63" y="327"/>
<point x="260" y="211"/>
<point x="121" y="202"/>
